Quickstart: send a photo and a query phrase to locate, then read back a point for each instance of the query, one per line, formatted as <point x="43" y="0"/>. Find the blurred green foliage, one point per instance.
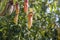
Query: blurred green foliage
<point x="44" y="25"/>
